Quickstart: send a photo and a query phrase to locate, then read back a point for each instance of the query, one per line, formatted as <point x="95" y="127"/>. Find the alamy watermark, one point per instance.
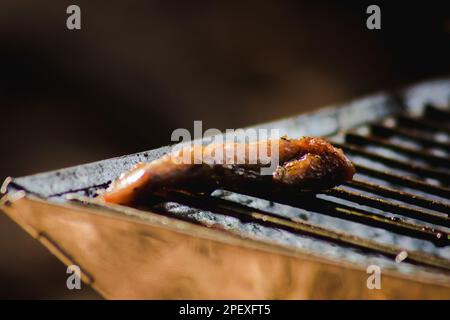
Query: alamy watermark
<point x="374" y="280"/>
<point x="74" y="280"/>
<point x="373" y="22"/>
<point x="73" y="21"/>
<point x="235" y="146"/>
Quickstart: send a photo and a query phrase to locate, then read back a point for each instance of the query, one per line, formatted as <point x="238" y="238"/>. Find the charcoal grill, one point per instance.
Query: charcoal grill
<point x="255" y="243"/>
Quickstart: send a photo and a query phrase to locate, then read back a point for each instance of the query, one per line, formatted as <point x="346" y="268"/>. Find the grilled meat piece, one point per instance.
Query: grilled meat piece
<point x="306" y="163"/>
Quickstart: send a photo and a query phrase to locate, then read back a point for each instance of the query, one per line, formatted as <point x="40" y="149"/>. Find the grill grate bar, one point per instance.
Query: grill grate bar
<point x="404" y="181"/>
<point x="394" y="224"/>
<point x="214" y="204"/>
<point x="312" y="203"/>
<point x="440" y="175"/>
<point x="385" y="131"/>
<point x="432" y="112"/>
<point x="400" y="195"/>
<point x="428" y="125"/>
<point x="389" y="206"/>
<point x="365" y="140"/>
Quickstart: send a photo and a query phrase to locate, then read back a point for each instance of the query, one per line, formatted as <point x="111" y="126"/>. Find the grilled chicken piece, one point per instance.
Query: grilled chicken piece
<point x="306" y="163"/>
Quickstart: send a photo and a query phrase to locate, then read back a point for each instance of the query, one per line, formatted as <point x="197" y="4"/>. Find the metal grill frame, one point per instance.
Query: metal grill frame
<point x="38" y="208"/>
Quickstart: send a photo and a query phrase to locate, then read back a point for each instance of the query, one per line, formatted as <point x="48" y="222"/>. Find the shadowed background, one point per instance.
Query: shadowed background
<point x="140" y="69"/>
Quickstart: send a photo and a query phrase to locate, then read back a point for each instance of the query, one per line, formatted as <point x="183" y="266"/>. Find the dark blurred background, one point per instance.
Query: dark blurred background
<point x="137" y="70"/>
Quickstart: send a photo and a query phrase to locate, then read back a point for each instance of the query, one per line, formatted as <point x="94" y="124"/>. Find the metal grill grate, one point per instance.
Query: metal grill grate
<point x="401" y="188"/>
<point x="398" y="201"/>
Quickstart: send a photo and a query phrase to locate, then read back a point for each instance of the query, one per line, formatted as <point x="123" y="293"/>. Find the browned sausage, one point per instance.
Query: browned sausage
<point x="309" y="163"/>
